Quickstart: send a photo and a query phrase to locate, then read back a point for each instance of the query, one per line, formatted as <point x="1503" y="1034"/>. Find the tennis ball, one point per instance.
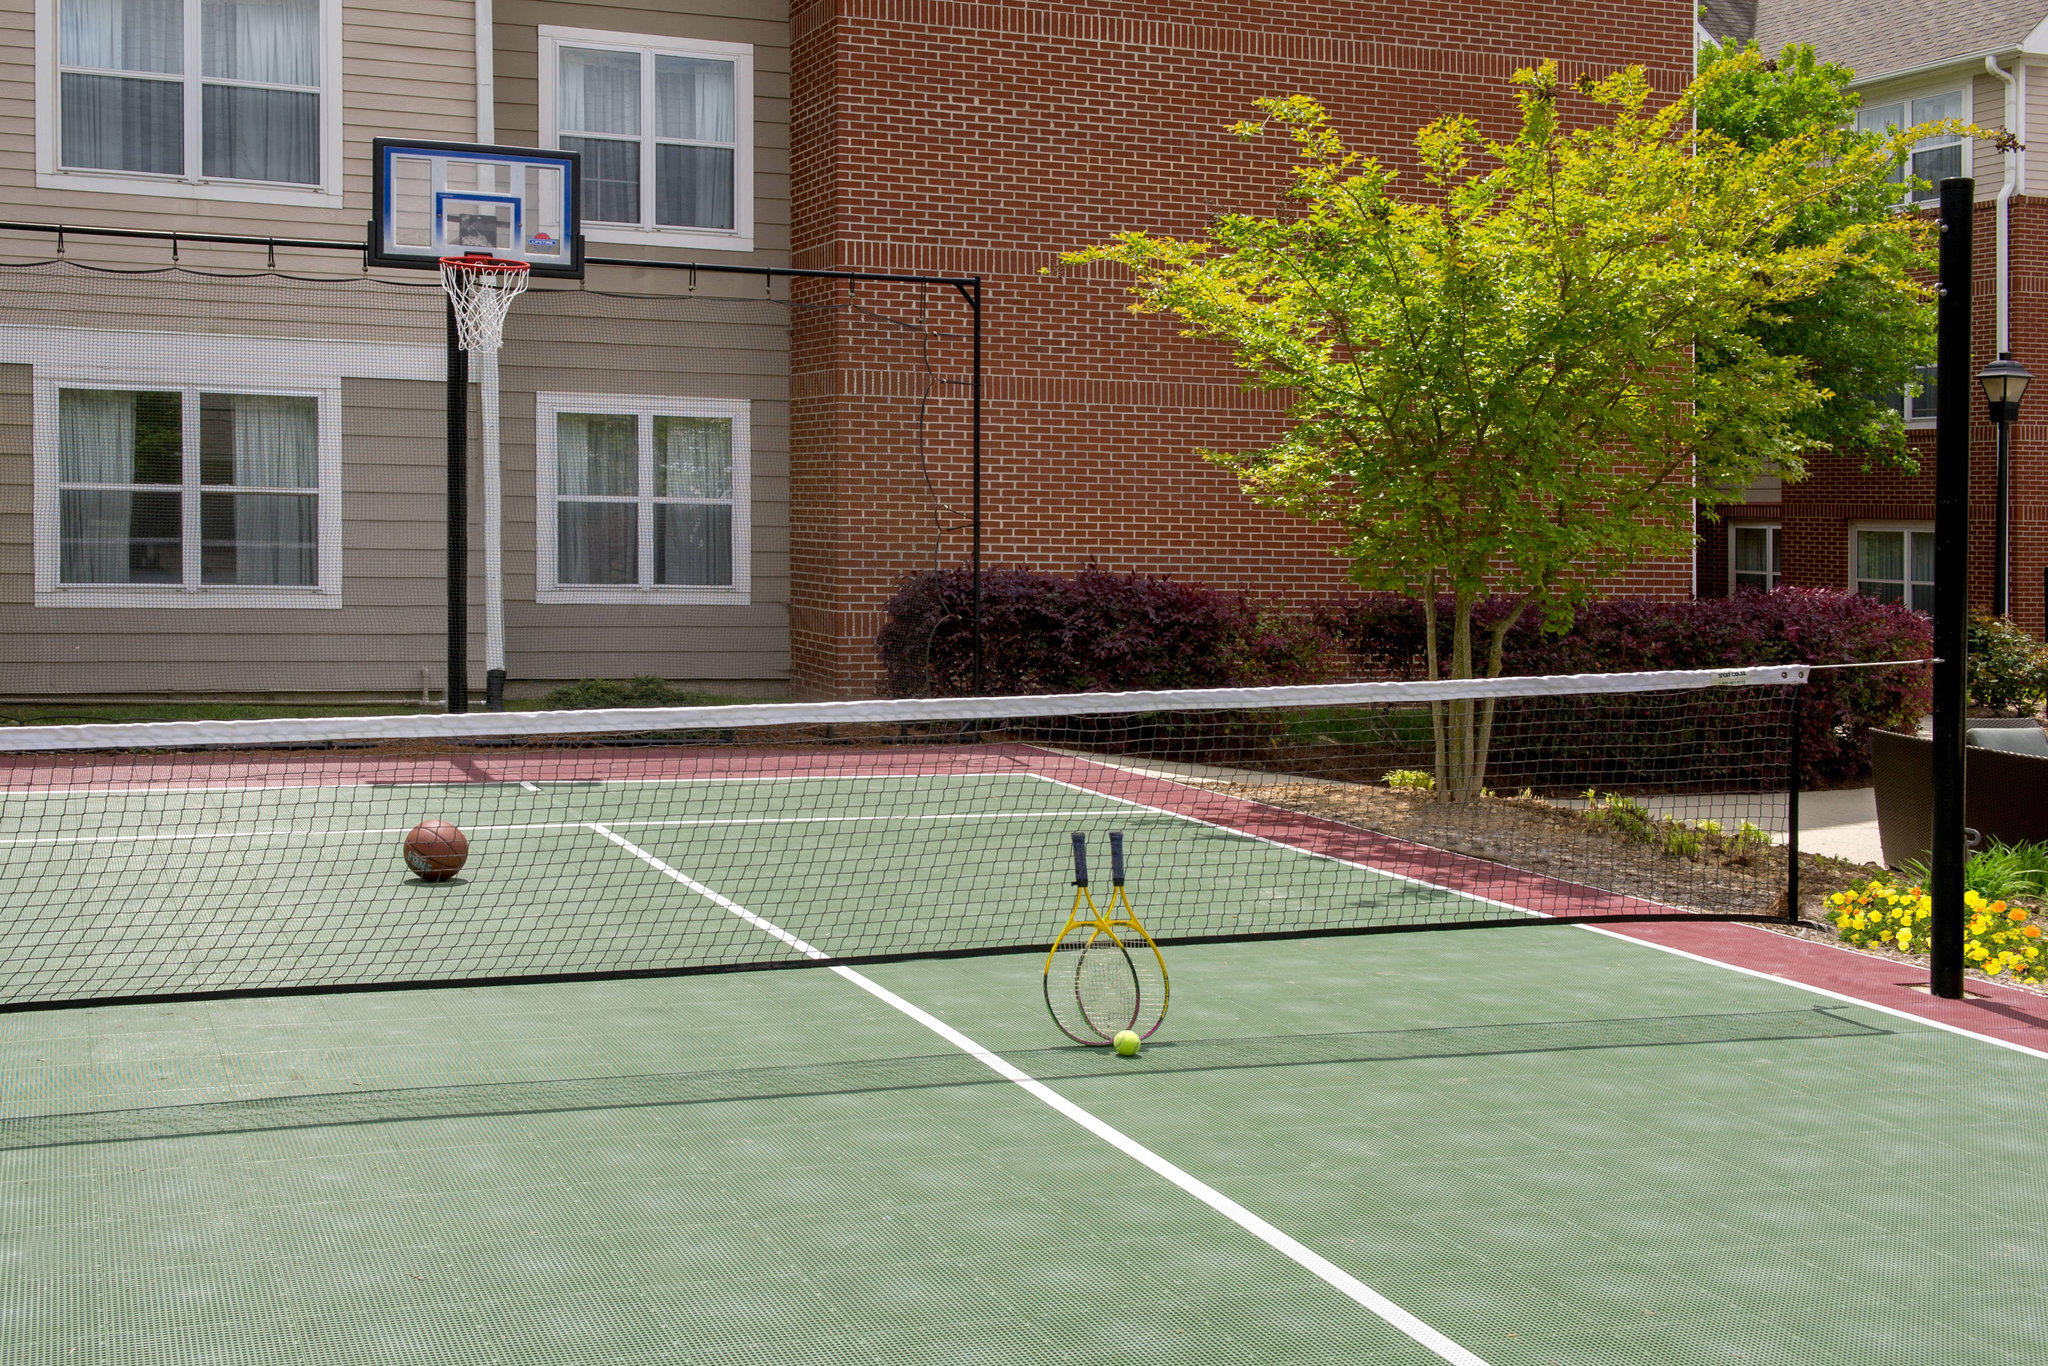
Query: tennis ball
<point x="1127" y="1043"/>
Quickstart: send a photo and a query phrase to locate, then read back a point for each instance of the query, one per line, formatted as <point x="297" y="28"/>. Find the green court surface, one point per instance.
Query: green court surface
<point x="1546" y="1145"/>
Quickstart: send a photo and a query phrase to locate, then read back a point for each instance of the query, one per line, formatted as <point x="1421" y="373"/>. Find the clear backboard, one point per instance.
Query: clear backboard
<point x="436" y="199"/>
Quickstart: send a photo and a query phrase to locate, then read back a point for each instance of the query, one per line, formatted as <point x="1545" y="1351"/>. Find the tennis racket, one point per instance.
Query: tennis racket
<point x="1104" y="974"/>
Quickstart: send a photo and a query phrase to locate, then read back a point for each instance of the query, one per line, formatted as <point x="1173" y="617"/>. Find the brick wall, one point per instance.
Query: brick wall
<point x="1818" y="512"/>
<point x="939" y="137"/>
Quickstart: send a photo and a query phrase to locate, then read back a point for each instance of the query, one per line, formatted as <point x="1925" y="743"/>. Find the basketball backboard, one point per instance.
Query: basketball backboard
<point x="436" y="199"/>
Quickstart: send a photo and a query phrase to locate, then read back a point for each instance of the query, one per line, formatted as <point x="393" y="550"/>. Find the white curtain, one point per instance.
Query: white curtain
<point x="277" y="445"/>
<point x="122" y="35"/>
<point x="252" y="134"/>
<point x="693" y="541"/>
<point x="599" y="92"/>
<point x="276" y="42"/>
<point x="596" y="455"/>
<point x="95" y="445"/>
<point x="693" y="457"/>
<point x="694" y="99"/>
<point x="694" y="185"/>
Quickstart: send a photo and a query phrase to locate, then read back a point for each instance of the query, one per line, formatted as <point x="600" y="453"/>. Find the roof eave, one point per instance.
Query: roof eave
<point x="1963" y="62"/>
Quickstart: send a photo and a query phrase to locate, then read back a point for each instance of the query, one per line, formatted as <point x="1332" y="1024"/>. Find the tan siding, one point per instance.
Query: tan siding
<point x="408" y="69"/>
<point x="762" y="23"/>
<point x="2034" y="122"/>
<point x="585" y="343"/>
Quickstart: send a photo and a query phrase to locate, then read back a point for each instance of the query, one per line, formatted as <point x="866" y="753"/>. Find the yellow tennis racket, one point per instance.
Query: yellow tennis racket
<point x="1104" y="974"/>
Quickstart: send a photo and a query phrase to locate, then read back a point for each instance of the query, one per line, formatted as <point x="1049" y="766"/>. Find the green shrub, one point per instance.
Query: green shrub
<point x="1997" y="872"/>
<point x="1625" y="816"/>
<point x="1411" y="780"/>
<point x="593" y="694"/>
<point x="2007" y="666"/>
<point x="1683" y="843"/>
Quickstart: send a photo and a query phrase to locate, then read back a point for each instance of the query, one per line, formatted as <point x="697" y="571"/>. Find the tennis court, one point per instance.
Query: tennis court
<point x="1505" y="1145"/>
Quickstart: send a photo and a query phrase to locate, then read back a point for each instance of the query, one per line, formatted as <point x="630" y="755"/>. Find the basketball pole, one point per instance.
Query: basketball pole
<point x="1948" y="852"/>
<point x="458" y="517"/>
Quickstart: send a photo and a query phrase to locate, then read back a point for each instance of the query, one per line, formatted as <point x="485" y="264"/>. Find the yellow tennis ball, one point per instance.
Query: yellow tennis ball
<point x="1127" y="1043"/>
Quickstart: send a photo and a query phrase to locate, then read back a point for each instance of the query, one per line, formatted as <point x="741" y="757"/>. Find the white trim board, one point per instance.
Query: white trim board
<point x="115" y="357"/>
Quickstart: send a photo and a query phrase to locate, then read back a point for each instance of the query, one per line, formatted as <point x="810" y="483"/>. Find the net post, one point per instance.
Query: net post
<point x="1951" y="585"/>
<point x="458" y="517"/>
<point x="494" y="690"/>
<point x="974" y="303"/>
<point x="1792" y="807"/>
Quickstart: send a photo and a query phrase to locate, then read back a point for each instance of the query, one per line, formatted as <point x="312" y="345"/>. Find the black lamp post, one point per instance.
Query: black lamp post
<point x="2004" y="380"/>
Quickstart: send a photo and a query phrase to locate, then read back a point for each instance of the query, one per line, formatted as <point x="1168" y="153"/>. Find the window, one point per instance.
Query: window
<point x="1894" y="564"/>
<point x="643" y="499"/>
<point x="1918" y="408"/>
<point x="183" y="496"/>
<point x="1933" y="159"/>
<point x="223" y="93"/>
<point x="1752" y="558"/>
<point x="665" y="128"/>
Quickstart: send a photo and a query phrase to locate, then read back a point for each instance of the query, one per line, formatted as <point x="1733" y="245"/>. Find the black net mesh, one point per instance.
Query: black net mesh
<point x="202" y="858"/>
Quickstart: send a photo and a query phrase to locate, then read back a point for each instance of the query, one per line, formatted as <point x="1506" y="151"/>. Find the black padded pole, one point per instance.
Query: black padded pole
<point x="458" y="517"/>
<point x="1951" y="582"/>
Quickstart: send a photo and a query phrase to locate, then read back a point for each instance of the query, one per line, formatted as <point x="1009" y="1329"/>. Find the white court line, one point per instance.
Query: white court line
<point x="640" y="822"/>
<point x="1289" y="1247"/>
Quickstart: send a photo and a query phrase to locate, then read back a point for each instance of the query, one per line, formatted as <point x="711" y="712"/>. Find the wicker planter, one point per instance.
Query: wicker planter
<point x="2005" y="796"/>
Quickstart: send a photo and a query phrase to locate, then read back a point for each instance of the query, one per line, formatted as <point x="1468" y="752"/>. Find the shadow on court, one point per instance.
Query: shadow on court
<point x="953" y="1069"/>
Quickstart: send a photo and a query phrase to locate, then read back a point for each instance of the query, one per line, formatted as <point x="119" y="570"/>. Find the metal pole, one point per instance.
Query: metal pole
<point x="974" y="302"/>
<point x="458" y="518"/>
<point x="2001" y="550"/>
<point x="1951" y="582"/>
<point x="1792" y="808"/>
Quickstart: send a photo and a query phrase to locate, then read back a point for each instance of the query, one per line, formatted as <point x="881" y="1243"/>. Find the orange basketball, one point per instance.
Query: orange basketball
<point x="435" y="851"/>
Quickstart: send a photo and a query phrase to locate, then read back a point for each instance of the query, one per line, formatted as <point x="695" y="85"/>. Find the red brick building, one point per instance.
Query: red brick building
<point x="1842" y="526"/>
<point x="934" y="136"/>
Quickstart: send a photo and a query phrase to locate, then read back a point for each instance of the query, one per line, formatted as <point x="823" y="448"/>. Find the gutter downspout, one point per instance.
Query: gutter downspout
<point x="2005" y="193"/>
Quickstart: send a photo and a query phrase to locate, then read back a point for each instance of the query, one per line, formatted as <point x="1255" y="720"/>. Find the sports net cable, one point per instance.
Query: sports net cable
<point x="193" y="859"/>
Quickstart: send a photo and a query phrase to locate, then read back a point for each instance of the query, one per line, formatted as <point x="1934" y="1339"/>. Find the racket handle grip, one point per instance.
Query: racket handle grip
<point x="1116" y="858"/>
<point x="1080" y="859"/>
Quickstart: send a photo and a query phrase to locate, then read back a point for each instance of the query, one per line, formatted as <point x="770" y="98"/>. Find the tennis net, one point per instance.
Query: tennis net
<point x="195" y="859"/>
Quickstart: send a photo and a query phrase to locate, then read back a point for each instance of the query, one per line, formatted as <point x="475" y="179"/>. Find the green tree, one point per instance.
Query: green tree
<point x="1491" y="382"/>
<point x="1858" y="339"/>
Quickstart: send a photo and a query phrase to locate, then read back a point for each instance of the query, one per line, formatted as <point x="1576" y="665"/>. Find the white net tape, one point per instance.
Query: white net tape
<point x="483" y="291"/>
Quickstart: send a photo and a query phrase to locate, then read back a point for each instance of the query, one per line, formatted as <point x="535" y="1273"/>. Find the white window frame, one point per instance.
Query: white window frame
<point x="52" y="175"/>
<point x="547" y="407"/>
<point x="1911" y="529"/>
<point x="85" y="358"/>
<point x="1773" y="532"/>
<point x="1905" y="101"/>
<point x="740" y="237"/>
<point x="1918" y="409"/>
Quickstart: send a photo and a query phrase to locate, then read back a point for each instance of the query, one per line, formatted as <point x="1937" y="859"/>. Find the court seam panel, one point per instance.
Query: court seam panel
<point x="1893" y="1011"/>
<point x="1291" y="1248"/>
<point x="1597" y="929"/>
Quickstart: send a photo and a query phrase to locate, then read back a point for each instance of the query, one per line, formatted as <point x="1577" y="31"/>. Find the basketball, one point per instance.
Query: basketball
<point x="435" y="851"/>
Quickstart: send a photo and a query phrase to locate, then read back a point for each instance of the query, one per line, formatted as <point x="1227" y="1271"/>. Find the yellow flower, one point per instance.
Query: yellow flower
<point x="1905" y="939"/>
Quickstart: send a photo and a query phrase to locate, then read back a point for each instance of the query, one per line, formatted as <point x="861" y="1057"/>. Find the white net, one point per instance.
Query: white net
<point x="482" y="288"/>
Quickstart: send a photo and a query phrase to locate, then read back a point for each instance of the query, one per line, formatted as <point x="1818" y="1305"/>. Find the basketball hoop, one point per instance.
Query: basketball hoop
<point x="482" y="289"/>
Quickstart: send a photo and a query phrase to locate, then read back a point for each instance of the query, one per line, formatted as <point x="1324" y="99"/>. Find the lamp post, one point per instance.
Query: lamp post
<point x="2003" y="381"/>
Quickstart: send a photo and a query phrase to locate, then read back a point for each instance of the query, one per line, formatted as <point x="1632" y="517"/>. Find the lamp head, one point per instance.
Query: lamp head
<point x="2004" y="381"/>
